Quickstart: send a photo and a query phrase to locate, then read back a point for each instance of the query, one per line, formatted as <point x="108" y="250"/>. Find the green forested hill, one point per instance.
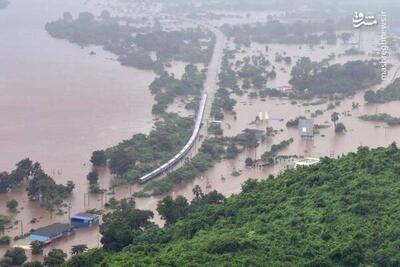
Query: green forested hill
<point x="343" y="212"/>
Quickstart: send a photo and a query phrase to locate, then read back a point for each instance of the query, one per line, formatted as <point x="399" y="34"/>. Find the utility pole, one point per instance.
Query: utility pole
<point x="69" y="211"/>
<point x="22" y="228"/>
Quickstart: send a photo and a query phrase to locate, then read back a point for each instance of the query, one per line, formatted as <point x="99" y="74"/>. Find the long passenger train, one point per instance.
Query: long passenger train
<point x="160" y="170"/>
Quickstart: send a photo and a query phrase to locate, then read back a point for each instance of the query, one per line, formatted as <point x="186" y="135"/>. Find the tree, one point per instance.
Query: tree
<point x="99" y="158"/>
<point x="4" y="182"/>
<point x="171" y="210"/>
<point x="93" y="177"/>
<point x="70" y="186"/>
<point x="232" y="151"/>
<point x="67" y="16"/>
<point x="37" y="247"/>
<point x="4" y="220"/>
<point x="334" y="117"/>
<point x="197" y="192"/>
<point x="118" y="228"/>
<point x="340" y="128"/>
<point x="302" y="73"/>
<point x="17" y="256"/>
<point x="246" y="84"/>
<point x="44" y="189"/>
<point x="12" y="205"/>
<point x="78" y="249"/>
<point x="55" y="258"/>
<point x="249" y="185"/>
<point x="5" y="240"/>
<point x="249" y="162"/>
<point x="33" y="264"/>
<point x="5" y="262"/>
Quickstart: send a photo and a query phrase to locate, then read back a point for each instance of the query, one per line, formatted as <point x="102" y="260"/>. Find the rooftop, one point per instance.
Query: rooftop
<point x="83" y="215"/>
<point x="307" y="162"/>
<point x="53" y="229"/>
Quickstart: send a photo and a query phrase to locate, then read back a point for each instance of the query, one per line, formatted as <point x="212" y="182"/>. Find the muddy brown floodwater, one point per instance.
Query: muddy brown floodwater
<point x="58" y="104"/>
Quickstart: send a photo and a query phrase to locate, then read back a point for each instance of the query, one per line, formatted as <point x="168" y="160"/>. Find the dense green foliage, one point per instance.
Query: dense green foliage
<point x="93" y="179"/>
<point x="5" y="240"/>
<point x="185" y="45"/>
<point x="123" y="225"/>
<point x="139" y="155"/>
<point x="387" y="94"/>
<point x="32" y="264"/>
<point x="14" y="179"/>
<point x="171" y="210"/>
<point x="294" y="123"/>
<point x="12" y="205"/>
<point x="99" y="158"/>
<point x="115" y="35"/>
<point x="211" y="151"/>
<point x="312" y="78"/>
<point x="4" y="221"/>
<point x="37" y="247"/>
<point x="222" y="103"/>
<point x="382" y="117"/>
<point x="41" y="187"/>
<point x="166" y="87"/>
<point x="16" y="256"/>
<point x="55" y="258"/>
<point x="269" y="156"/>
<point x="275" y="31"/>
<point x="340" y="212"/>
<point x="78" y="249"/>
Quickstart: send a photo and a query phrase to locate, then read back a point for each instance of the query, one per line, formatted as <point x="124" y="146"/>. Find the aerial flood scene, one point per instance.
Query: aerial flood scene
<point x="199" y="133"/>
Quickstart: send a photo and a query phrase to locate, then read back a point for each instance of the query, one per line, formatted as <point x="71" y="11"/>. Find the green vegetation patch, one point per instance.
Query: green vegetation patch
<point x="141" y="154"/>
<point x="381" y="117"/>
<point x="311" y="78"/>
<point x="387" y="94"/>
<point x="340" y="212"/>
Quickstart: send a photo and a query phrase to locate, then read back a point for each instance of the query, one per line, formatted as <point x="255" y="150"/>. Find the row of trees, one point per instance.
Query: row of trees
<point x="269" y="156"/>
<point x="166" y="87"/>
<point x="293" y="33"/>
<point x="41" y="187"/>
<point x="17" y="256"/>
<point x="190" y="45"/>
<point x="211" y="151"/>
<point x="387" y="94"/>
<point x="134" y="157"/>
<point x="311" y="78"/>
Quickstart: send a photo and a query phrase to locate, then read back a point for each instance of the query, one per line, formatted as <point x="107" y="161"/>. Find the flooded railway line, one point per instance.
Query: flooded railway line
<point x="184" y="151"/>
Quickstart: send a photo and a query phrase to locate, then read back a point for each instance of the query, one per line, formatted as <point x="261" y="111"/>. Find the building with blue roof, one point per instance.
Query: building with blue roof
<point x="81" y="220"/>
<point x="51" y="232"/>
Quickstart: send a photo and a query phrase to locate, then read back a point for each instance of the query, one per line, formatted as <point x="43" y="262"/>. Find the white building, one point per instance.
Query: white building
<point x="306" y="162"/>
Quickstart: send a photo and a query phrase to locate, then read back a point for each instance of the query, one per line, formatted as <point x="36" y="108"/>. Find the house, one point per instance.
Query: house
<point x="81" y="220"/>
<point x="51" y="232"/>
<point x="306" y="128"/>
